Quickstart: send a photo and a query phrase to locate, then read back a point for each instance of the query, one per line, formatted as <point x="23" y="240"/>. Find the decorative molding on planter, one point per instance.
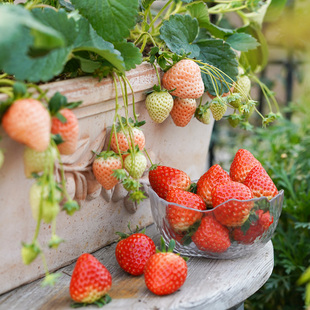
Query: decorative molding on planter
<point x="102" y="212"/>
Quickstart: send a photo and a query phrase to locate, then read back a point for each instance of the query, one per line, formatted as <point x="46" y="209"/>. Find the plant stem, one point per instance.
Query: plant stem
<point x="160" y="13"/>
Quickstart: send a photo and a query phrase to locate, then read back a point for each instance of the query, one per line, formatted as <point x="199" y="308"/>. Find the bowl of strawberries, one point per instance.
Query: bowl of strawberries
<point x="222" y="215"/>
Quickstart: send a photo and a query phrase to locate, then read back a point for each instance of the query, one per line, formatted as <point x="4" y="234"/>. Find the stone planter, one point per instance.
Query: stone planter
<point x="101" y="214"/>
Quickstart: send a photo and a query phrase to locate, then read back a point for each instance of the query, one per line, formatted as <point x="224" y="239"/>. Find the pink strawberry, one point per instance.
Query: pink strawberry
<point x="132" y="252"/>
<point x="103" y="167"/>
<point x="211" y="236"/>
<point x="256" y="228"/>
<point x="260" y="183"/>
<point x="163" y="178"/>
<point x="241" y="165"/>
<point x="185" y="78"/>
<point x="234" y="212"/>
<point x="213" y="177"/>
<point x="165" y="273"/>
<point x="90" y="280"/>
<point x="68" y="130"/>
<point x="183" y="111"/>
<point x="27" y="121"/>
<point x="123" y="139"/>
<point x="180" y="219"/>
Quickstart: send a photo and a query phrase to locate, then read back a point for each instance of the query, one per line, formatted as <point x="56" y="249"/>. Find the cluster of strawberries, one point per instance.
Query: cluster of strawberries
<point x="232" y="215"/>
<point x="164" y="271"/>
<point x="183" y="84"/>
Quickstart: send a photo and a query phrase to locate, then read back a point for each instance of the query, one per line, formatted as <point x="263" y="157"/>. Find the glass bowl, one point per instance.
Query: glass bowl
<point x="240" y="239"/>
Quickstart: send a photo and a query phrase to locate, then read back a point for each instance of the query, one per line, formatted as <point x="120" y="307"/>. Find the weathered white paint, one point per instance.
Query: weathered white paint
<point x="96" y="223"/>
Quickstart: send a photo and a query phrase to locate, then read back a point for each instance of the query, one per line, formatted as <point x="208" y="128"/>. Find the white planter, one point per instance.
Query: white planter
<point x="94" y="226"/>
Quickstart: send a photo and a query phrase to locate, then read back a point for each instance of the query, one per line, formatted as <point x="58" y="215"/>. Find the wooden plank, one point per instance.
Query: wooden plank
<point x="211" y="284"/>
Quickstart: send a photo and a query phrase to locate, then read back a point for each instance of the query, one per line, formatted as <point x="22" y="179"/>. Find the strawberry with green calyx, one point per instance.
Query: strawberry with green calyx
<point x="164" y="178"/>
<point x="218" y="108"/>
<point x="183" y="111"/>
<point x="180" y="219"/>
<point x="246" y="110"/>
<point x="71" y="206"/>
<point x="55" y="241"/>
<point x="121" y="140"/>
<point x="135" y="164"/>
<point x="260" y="183"/>
<point x="202" y="114"/>
<point x="30" y="252"/>
<point x="229" y="208"/>
<point x="104" y="165"/>
<point x="184" y="80"/>
<point x="133" y="251"/>
<point x="213" y="177"/>
<point x="159" y="104"/>
<point x="28" y="121"/>
<point x="211" y="235"/>
<point x="243" y="86"/>
<point x="254" y="227"/>
<point x="165" y="272"/>
<point x="90" y="281"/>
<point x="234" y="100"/>
<point x="233" y="119"/>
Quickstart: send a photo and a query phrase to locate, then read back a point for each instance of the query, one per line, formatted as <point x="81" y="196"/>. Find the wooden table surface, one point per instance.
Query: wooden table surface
<point x="210" y="284"/>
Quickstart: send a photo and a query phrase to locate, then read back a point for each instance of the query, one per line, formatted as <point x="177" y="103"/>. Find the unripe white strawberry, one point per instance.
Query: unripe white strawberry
<point x="135" y="164"/>
<point x="159" y="104"/>
<point x="1" y="158"/>
<point x="218" y="109"/>
<point x="202" y="114"/>
<point x="243" y="86"/>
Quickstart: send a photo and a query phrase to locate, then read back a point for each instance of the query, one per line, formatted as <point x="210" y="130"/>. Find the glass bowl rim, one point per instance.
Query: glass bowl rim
<point x="280" y="194"/>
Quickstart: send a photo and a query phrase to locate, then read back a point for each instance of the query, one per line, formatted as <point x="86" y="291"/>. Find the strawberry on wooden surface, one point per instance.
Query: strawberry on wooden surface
<point x="90" y="280"/>
<point x="260" y="183"/>
<point x="27" y="121"/>
<point x="165" y="272"/>
<point x="234" y="212"/>
<point x="133" y="251"/>
<point x="183" y="111"/>
<point x="180" y="219"/>
<point x="258" y="224"/>
<point x="184" y="80"/>
<point x="103" y="167"/>
<point x="163" y="178"/>
<point x="215" y="175"/>
<point x="211" y="235"/>
<point x="241" y="165"/>
<point x="68" y="128"/>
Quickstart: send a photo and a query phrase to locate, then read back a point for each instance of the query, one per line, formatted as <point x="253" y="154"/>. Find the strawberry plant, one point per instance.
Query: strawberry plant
<point x="47" y="40"/>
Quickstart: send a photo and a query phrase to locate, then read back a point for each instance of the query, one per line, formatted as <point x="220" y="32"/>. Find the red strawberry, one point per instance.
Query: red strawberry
<point x="103" y="167"/>
<point x="213" y="177"/>
<point x="163" y="178"/>
<point x="180" y="219"/>
<point x="123" y="139"/>
<point x="133" y="252"/>
<point x="27" y="121"/>
<point x="185" y="78"/>
<point x="211" y="236"/>
<point x="242" y="164"/>
<point x="260" y="183"/>
<point x="235" y="212"/>
<point x="165" y="272"/>
<point x="183" y="111"/>
<point x="256" y="228"/>
<point x="90" y="280"/>
<point x="69" y="131"/>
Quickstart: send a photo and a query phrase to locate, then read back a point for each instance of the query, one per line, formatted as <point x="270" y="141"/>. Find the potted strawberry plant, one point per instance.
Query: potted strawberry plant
<point x="89" y="71"/>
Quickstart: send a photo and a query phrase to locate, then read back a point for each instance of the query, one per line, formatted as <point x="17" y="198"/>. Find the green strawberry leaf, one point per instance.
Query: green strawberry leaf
<point x="112" y="19"/>
<point x="199" y="10"/>
<point x="87" y="65"/>
<point x="257" y="58"/>
<point x="146" y="3"/>
<point x="217" y="31"/>
<point x="242" y="42"/>
<point x="219" y="54"/>
<point x="130" y="53"/>
<point x="179" y="33"/>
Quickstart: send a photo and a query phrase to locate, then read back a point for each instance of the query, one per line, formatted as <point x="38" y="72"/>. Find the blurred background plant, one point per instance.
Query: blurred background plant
<point x="284" y="150"/>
